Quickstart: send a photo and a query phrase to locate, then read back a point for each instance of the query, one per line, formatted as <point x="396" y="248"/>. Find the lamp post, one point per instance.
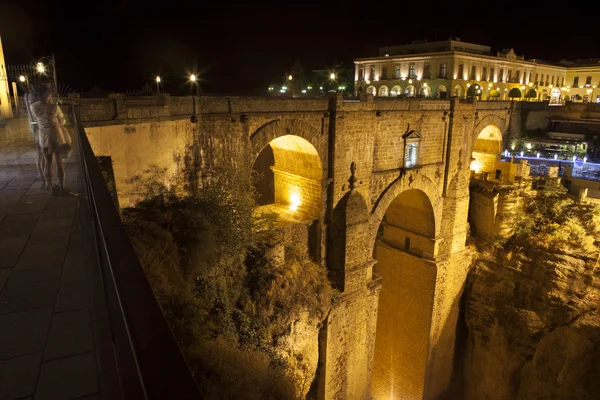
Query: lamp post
<point x="41" y="69"/>
<point x="194" y="81"/>
<point x="157" y="85"/>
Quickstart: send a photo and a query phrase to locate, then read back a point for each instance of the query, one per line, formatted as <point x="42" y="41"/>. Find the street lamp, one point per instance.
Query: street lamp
<point x="41" y="68"/>
<point x="332" y="76"/>
<point x="157" y="84"/>
<point x="22" y="78"/>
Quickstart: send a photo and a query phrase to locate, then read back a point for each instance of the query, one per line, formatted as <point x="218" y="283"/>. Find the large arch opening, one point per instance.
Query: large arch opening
<point x="487" y="148"/>
<point x="289" y="173"/>
<point x="404" y="251"/>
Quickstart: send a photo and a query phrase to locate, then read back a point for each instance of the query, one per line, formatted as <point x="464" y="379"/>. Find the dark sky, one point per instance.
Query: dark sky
<point x="240" y="47"/>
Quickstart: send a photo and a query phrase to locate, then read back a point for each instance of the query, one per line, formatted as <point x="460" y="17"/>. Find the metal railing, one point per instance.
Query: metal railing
<point x="149" y="362"/>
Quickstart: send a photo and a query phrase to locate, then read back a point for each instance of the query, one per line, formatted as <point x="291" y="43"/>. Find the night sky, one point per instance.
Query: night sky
<point x="242" y="47"/>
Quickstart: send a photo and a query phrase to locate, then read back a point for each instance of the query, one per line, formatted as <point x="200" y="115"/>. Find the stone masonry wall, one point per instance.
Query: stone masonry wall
<point x="233" y="130"/>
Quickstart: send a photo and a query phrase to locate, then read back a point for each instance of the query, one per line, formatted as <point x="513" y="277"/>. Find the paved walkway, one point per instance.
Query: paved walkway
<point x="48" y="320"/>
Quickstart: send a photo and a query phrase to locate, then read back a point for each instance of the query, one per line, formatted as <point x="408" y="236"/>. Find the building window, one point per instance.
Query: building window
<point x="562" y="81"/>
<point x="411" y="148"/>
<point x="484" y="74"/>
<point x="547" y="80"/>
<point x="536" y="78"/>
<point x="509" y="77"/>
<point x="443" y="71"/>
<point x="372" y="73"/>
<point x="576" y="82"/>
<point x="383" y="73"/>
<point x="461" y="70"/>
<point x="361" y="73"/>
<point x="530" y="75"/>
<point x="553" y="80"/>
<point x="473" y="72"/>
<point x="518" y="76"/>
<point x="426" y="73"/>
<point x="501" y="76"/>
<point x="492" y="74"/>
<point x="397" y="72"/>
<point x="588" y="81"/>
<point x="411" y="71"/>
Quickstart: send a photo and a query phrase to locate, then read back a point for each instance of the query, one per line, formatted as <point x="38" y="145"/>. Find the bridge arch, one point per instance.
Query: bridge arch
<point x="404" y="249"/>
<point x="290" y="168"/>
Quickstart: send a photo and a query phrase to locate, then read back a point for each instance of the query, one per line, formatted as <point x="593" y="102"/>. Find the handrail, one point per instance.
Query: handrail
<point x="149" y="362"/>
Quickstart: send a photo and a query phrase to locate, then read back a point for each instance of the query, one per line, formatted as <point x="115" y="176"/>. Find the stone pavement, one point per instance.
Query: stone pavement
<point x="49" y="329"/>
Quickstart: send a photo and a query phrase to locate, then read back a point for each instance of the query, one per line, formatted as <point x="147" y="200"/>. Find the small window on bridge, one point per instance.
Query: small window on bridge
<point x="411" y="149"/>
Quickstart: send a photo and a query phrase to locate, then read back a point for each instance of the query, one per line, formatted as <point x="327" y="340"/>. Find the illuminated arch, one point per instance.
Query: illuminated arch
<point x="372" y="90"/>
<point x="486" y="149"/>
<point x="396" y="91"/>
<point x="442" y="92"/>
<point x="383" y="91"/>
<point x="404" y="254"/>
<point x="458" y="91"/>
<point x="290" y="172"/>
<point x="410" y="91"/>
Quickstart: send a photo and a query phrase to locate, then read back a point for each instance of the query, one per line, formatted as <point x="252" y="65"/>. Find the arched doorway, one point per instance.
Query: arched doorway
<point x="371" y="90"/>
<point x="404" y="251"/>
<point x="396" y="91"/>
<point x="458" y="91"/>
<point x="442" y="92"/>
<point x="487" y="148"/>
<point x="410" y="91"/>
<point x="474" y="91"/>
<point x="383" y="91"/>
<point x="289" y="177"/>
<point x="425" y="90"/>
<point x="359" y="90"/>
<point x="514" y="93"/>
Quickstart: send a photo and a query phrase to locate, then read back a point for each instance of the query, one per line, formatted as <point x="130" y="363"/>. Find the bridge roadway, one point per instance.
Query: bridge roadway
<point x="53" y="316"/>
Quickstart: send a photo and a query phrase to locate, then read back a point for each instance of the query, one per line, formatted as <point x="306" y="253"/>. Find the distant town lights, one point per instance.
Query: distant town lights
<point x="22" y="78"/>
<point x="332" y="76"/>
<point x="158" y="79"/>
<point x="290" y="77"/>
<point x="193" y="78"/>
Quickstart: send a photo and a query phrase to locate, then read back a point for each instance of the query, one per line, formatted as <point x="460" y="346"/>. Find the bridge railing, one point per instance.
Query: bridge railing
<point x="149" y="362"/>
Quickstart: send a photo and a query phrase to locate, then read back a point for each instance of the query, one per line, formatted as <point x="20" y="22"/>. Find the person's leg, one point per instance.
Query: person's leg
<point x="48" y="170"/>
<point x="40" y="166"/>
<point x="60" y="170"/>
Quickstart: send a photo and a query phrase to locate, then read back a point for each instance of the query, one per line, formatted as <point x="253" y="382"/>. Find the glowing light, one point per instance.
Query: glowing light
<point x="193" y="78"/>
<point x="522" y="87"/>
<point x="284" y="88"/>
<point x="294" y="201"/>
<point x="290" y="77"/>
<point x="22" y="78"/>
<point x="550" y="86"/>
<point x="410" y="81"/>
<point x="40" y="68"/>
<point x="489" y="85"/>
<point x="537" y="155"/>
<point x="521" y="154"/>
<point x="158" y="79"/>
<point x="505" y="153"/>
<point x="468" y="84"/>
<point x="574" y="158"/>
<point x="530" y="84"/>
<point x="321" y="87"/>
<point x="303" y="90"/>
<point x="376" y="78"/>
<point x="332" y="76"/>
<point x="528" y="145"/>
<point x="556" y="156"/>
<point x="584" y="159"/>
<point x="475" y="166"/>
<point x="309" y="87"/>
<point x="271" y="88"/>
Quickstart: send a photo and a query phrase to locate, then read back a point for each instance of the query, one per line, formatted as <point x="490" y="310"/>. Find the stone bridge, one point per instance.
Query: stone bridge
<point x="383" y="185"/>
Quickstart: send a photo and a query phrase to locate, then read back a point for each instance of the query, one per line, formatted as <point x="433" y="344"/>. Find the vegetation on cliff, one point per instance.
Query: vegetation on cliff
<point x="531" y="305"/>
<point x="203" y="250"/>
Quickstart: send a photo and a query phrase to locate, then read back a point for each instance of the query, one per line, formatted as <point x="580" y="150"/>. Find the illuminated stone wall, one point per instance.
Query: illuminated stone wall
<point x="403" y="324"/>
<point x="369" y="133"/>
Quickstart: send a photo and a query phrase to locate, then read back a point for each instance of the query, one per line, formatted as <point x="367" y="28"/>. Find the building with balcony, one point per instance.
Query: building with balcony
<point x="453" y="68"/>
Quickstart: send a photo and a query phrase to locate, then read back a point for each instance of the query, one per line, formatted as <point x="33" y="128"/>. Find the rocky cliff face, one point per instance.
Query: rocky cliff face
<point x="533" y="326"/>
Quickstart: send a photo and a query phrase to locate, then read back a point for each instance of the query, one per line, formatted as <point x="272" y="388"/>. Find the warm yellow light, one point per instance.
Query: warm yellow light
<point x="522" y="87"/>
<point x="550" y="86"/>
<point x="468" y="84"/>
<point x="294" y="201"/>
<point x="332" y="76"/>
<point x="289" y="77"/>
<point x="475" y="166"/>
<point x="158" y="79"/>
<point x="22" y="78"/>
<point x="193" y="78"/>
<point x="41" y="68"/>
